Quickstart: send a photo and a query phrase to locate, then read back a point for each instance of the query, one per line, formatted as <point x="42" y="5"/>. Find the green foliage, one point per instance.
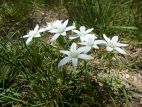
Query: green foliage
<point x="30" y="77"/>
<point x="137" y="8"/>
<point x="106" y="16"/>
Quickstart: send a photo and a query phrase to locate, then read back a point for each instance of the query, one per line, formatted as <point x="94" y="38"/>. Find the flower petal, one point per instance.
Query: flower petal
<point x="25" y="36"/>
<point x="55" y="37"/>
<point x="100" y="42"/>
<point x="82" y="29"/>
<point x="73" y="36"/>
<point x="54" y="31"/>
<point x="121" y="44"/>
<point x="70" y="28"/>
<point x="87" y="49"/>
<point x="95" y="46"/>
<point x="88" y="31"/>
<point x="65" y="23"/>
<point x="38" y="35"/>
<point x="120" y="50"/>
<point x="83" y="38"/>
<point x="64" y="61"/>
<point x="74" y="61"/>
<point x="29" y="40"/>
<point x="42" y="30"/>
<point x="106" y="38"/>
<point x="76" y="31"/>
<point x="36" y="28"/>
<point x="109" y="48"/>
<point x="65" y="52"/>
<point x="85" y="57"/>
<point x="81" y="49"/>
<point x="92" y="36"/>
<point x="73" y="47"/>
<point x="114" y="39"/>
<point x="63" y="34"/>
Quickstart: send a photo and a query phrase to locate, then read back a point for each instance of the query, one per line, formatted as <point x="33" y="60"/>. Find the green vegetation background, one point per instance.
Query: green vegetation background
<point x="28" y="75"/>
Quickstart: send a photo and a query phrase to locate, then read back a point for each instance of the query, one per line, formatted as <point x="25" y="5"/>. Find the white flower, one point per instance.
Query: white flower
<point x="33" y="33"/>
<point x="51" y="25"/>
<point x="61" y="29"/>
<point x="81" y="33"/>
<point x="113" y="44"/>
<point x="73" y="56"/>
<point x="89" y="42"/>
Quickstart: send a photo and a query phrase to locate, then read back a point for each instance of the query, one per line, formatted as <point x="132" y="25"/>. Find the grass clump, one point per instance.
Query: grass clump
<point x="33" y="69"/>
<point x="109" y="16"/>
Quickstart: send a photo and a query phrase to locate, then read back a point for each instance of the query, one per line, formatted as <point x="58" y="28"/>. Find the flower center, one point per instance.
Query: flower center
<point x="62" y="29"/>
<point x="81" y="34"/>
<point x="111" y="45"/>
<point x="74" y="55"/>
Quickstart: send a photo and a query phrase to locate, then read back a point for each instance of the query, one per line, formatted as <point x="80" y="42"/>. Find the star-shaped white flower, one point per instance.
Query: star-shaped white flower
<point x="113" y="44"/>
<point x="33" y="33"/>
<point x="73" y="55"/>
<point x="90" y="42"/>
<point x="61" y="29"/>
<point x="82" y="32"/>
<point x="51" y="26"/>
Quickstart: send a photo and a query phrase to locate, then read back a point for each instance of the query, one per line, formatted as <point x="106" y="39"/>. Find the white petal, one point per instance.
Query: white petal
<point x="65" y="23"/>
<point x="87" y="49"/>
<point x="58" y="21"/>
<point x="82" y="29"/>
<point x="38" y="35"/>
<point x="74" y="61"/>
<point x="81" y="49"/>
<point x="106" y="38"/>
<point x="73" y="36"/>
<point x="70" y="28"/>
<point x="64" y="61"/>
<point x="120" y="50"/>
<point x="95" y="46"/>
<point x="101" y="42"/>
<point x="36" y="28"/>
<point x="73" y="47"/>
<point x="29" y="40"/>
<point x="49" y="28"/>
<point x="121" y="44"/>
<point x="42" y="30"/>
<point x="76" y="31"/>
<point x="65" y="52"/>
<point x="54" y="31"/>
<point x="88" y="31"/>
<point x="86" y="57"/>
<point x="55" y="37"/>
<point x="63" y="34"/>
<point x="83" y="38"/>
<point x="114" y="39"/>
<point x="109" y="48"/>
<point x="92" y="36"/>
<point x="26" y="36"/>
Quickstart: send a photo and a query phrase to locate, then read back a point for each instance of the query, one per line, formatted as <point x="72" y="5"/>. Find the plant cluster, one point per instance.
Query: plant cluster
<point x="31" y="72"/>
<point x="35" y="67"/>
<point x="88" y="40"/>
